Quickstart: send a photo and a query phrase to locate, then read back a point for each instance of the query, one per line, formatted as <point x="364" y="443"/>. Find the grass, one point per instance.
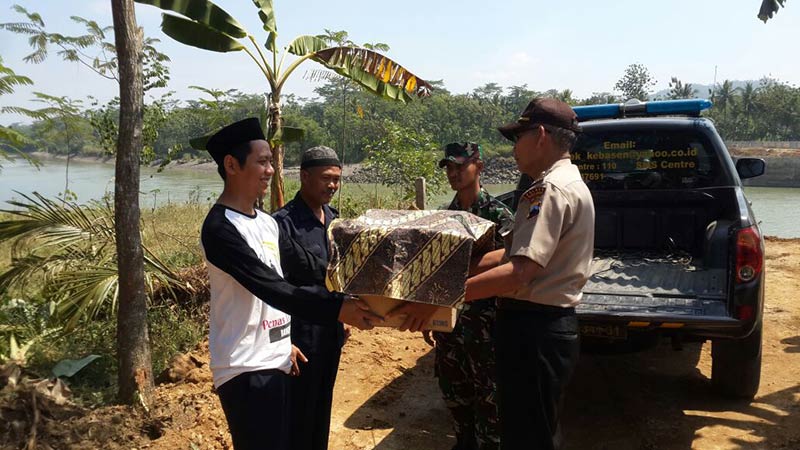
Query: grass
<point x="172" y="232"/>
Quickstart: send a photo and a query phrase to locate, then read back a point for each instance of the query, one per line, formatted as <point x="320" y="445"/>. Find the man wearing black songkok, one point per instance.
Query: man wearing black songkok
<point x="251" y="303"/>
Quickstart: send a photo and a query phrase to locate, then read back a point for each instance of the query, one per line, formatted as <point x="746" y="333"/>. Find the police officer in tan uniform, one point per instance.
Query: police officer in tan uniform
<point x="539" y="278"/>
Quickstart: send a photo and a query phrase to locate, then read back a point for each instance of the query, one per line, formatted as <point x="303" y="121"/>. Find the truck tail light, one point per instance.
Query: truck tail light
<point x="749" y="257"/>
<point x="745" y="312"/>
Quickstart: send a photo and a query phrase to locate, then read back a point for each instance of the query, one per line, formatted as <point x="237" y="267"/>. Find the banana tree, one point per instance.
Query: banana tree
<point x="202" y="24"/>
<point x="769" y="8"/>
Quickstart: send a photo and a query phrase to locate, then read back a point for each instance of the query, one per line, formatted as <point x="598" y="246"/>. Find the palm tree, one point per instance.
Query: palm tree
<point x="202" y="24"/>
<point x="748" y="98"/>
<point x="679" y="90"/>
<point x="566" y="96"/>
<point x="71" y="252"/>
<point x="724" y="96"/>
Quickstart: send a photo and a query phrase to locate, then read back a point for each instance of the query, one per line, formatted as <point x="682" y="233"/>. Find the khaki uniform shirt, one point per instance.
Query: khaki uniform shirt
<point x="554" y="227"/>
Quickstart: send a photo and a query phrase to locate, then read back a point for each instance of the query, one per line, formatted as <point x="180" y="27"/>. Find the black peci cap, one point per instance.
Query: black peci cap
<point x="224" y="140"/>
<point x="319" y="156"/>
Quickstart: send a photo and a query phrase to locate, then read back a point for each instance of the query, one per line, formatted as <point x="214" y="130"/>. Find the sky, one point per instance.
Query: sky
<point x="582" y="45"/>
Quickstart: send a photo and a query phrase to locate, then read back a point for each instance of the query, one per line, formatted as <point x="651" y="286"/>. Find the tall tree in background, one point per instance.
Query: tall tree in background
<point x="724" y="96"/>
<point x="202" y="24"/>
<point x="93" y="50"/>
<point x="345" y="85"/>
<point x="636" y="83"/>
<point x="133" y="347"/>
<point x="747" y="102"/>
<point x="63" y="116"/>
<point x="11" y="140"/>
<point x="678" y="90"/>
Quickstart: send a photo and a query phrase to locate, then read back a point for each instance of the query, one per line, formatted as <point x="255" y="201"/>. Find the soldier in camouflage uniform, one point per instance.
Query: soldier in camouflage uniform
<point x="465" y="358"/>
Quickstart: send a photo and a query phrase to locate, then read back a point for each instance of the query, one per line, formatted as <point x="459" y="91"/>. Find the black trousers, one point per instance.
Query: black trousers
<point x="537" y="352"/>
<point x="312" y="390"/>
<point x="256" y="408"/>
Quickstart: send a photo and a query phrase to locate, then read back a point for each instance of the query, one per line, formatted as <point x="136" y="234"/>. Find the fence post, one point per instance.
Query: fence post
<point x="419" y="187"/>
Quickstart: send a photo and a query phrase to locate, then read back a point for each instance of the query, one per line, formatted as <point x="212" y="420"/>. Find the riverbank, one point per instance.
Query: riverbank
<point x="782" y="167"/>
<point x="192" y="165"/>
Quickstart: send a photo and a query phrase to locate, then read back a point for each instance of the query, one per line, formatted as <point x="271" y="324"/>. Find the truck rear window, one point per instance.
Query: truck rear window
<point x="654" y="159"/>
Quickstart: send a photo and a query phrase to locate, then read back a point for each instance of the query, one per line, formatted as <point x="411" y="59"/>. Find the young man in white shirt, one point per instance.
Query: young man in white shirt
<point x="251" y="303"/>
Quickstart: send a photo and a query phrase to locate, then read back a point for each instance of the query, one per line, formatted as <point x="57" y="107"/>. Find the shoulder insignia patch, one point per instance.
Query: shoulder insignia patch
<point x="534" y="193"/>
<point x="534" y="196"/>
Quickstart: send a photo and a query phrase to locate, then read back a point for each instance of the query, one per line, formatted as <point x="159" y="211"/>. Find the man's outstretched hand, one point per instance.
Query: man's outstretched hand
<point x="356" y="312"/>
<point x="417" y="315"/>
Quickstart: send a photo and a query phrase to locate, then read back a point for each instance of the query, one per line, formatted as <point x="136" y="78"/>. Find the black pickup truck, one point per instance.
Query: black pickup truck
<point x="678" y="252"/>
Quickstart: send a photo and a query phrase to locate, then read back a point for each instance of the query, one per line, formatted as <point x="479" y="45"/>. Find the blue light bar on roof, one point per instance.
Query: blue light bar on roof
<point x="691" y="107"/>
<point x="590" y="112"/>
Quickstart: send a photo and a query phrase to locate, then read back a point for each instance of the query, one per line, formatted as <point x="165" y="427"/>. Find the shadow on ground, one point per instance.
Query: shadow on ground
<point x="655" y="399"/>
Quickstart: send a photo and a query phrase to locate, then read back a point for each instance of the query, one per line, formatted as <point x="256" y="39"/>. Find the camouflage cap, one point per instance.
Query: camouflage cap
<point x="461" y="153"/>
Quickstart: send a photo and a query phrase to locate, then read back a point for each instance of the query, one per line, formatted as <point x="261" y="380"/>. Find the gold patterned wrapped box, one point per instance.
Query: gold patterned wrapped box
<point x="391" y="256"/>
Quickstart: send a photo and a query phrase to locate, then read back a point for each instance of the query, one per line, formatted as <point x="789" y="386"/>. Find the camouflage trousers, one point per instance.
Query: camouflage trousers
<point x="465" y="366"/>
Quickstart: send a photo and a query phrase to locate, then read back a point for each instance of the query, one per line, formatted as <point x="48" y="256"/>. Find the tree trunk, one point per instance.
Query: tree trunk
<point x="69" y="153"/>
<point x="276" y="198"/>
<point x="133" y="347"/>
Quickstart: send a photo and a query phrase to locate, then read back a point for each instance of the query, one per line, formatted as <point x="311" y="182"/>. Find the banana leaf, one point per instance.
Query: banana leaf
<point x="204" y="12"/>
<point x="270" y="44"/>
<point x="286" y="135"/>
<point x="373" y="71"/>
<point x="769" y="8"/>
<point x="303" y="45"/>
<point x="199" y="143"/>
<point x="198" y="35"/>
<point x="267" y="15"/>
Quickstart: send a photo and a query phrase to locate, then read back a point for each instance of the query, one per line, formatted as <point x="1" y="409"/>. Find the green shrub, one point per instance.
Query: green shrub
<point x="403" y="156"/>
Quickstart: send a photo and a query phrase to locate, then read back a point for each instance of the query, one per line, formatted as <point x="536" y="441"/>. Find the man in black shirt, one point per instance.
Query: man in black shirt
<point x="306" y="219"/>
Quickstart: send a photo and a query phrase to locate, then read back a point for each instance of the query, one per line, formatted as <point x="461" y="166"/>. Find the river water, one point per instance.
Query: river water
<point x="778" y="209"/>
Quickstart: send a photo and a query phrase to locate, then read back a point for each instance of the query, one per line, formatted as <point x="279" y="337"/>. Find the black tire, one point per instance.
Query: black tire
<point x="736" y="365"/>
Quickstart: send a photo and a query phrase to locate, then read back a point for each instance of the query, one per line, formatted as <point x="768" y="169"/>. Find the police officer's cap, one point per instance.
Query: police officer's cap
<point x="542" y="111"/>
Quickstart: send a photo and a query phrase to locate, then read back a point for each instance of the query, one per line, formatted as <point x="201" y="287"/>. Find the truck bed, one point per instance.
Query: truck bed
<point x="654" y="287"/>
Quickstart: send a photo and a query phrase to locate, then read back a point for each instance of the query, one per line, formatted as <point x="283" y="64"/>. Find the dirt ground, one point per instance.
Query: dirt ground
<point x="386" y="397"/>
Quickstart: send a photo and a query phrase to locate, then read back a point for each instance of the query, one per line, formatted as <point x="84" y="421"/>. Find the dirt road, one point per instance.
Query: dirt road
<point x="386" y="397"/>
<point x="660" y="399"/>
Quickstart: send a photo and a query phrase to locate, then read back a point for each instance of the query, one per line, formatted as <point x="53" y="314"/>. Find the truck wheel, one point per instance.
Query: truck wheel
<point x="736" y="365"/>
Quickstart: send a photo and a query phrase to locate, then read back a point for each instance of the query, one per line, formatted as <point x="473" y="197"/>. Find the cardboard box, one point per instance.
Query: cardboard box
<point x="443" y="319"/>
<point x="389" y="256"/>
